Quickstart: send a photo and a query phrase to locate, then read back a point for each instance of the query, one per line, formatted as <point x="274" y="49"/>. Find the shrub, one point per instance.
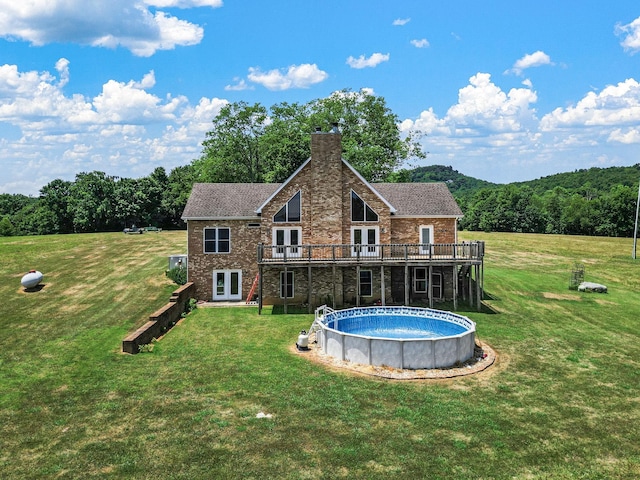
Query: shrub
<point x="178" y="275"/>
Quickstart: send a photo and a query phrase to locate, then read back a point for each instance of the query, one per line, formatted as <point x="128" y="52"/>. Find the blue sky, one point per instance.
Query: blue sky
<point x="504" y="90"/>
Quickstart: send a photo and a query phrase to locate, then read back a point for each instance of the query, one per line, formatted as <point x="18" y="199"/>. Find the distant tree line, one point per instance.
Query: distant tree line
<point x="582" y="211"/>
<point x="96" y="202"/>
<point x="250" y="143"/>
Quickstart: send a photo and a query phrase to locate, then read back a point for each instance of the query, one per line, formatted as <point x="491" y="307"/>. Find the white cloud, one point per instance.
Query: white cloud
<point x="483" y="106"/>
<point x="363" y="62"/>
<point x="628" y="136"/>
<point x="631" y="35"/>
<point x="421" y="43"/>
<point x="496" y="135"/>
<point x="530" y="60"/>
<point x="124" y="129"/>
<point x="615" y="105"/>
<point x="401" y="21"/>
<point x="239" y="85"/>
<point x="116" y="23"/>
<point x="296" y="76"/>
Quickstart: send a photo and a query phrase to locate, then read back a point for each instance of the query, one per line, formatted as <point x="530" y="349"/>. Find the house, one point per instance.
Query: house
<point x="327" y="236"/>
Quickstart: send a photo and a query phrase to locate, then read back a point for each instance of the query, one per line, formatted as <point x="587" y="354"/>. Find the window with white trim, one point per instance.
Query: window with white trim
<point x="217" y="240"/>
<point x="291" y="211"/>
<point x="286" y="287"/>
<point x="366" y="283"/>
<point x="360" y="211"/>
<point x="287" y="242"/>
<point x="421" y="281"/>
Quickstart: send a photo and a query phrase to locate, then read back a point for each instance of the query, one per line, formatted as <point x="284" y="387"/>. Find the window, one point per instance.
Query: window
<point x="360" y="211"/>
<point x="290" y="212"/>
<point x="364" y="241"/>
<point x="287" y="242"/>
<point x="286" y="286"/>
<point x="421" y="282"/>
<point x="217" y="240"/>
<point x="426" y="239"/>
<point x="366" y="283"/>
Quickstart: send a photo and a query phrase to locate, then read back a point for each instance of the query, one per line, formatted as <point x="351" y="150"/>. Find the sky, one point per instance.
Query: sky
<point x="503" y="91"/>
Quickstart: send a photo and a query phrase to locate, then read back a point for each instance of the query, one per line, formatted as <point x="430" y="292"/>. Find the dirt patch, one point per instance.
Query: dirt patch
<point x="484" y="357"/>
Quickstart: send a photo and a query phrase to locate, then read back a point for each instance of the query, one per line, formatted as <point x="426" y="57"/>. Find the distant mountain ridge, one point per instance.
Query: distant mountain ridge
<point x="601" y="179"/>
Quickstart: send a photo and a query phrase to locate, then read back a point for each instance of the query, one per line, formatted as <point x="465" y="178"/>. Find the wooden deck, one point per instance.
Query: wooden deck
<point x="471" y="253"/>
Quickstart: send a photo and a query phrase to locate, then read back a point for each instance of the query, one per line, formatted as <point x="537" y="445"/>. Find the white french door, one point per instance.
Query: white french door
<point x="364" y="241"/>
<point x="287" y="242"/>
<point x="227" y="284"/>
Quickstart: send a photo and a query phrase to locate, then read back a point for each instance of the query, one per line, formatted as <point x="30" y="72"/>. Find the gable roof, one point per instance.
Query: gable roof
<point x="420" y="199"/>
<point x="242" y="200"/>
<point x="355" y="172"/>
<point x="209" y="201"/>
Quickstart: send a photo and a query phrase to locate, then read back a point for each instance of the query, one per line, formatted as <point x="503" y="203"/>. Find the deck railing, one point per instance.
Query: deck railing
<point x="409" y="252"/>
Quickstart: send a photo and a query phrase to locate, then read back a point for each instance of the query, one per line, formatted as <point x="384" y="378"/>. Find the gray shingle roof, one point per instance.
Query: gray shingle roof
<point x="419" y="199"/>
<point x="224" y="200"/>
<point x="220" y="200"/>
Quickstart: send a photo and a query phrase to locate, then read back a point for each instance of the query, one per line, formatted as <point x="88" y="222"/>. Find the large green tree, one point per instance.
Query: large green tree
<point x="249" y="143"/>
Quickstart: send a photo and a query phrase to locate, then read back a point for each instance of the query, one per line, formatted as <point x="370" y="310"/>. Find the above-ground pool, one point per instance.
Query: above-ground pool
<point x="398" y="337"/>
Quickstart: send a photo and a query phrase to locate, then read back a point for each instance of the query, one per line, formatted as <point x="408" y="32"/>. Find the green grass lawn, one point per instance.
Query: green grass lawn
<point x="562" y="402"/>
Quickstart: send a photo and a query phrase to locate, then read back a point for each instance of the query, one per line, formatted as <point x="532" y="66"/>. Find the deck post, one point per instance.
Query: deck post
<point x="309" y="309"/>
<point x="455" y="288"/>
<point x="382" y="293"/>
<point x="406" y="284"/>
<point x="479" y="281"/>
<point x="286" y="287"/>
<point x="260" y="289"/>
<point x="333" y="280"/>
<point x="430" y="286"/>
<point x="357" y="285"/>
<point x="471" y="285"/>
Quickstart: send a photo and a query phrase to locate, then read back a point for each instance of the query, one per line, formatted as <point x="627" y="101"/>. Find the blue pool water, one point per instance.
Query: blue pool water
<point x="396" y="326"/>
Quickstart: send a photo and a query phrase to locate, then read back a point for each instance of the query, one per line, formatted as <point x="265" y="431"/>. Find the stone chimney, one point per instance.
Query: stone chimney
<point x="326" y="185"/>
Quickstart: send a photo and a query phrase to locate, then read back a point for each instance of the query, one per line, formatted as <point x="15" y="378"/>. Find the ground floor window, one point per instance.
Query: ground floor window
<point x="227" y="284"/>
<point x="366" y="283"/>
<point x="286" y="284"/>
<point x="421" y="281"/>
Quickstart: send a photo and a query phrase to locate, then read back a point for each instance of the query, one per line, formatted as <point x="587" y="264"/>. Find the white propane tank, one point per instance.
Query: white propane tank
<point x="31" y="279"/>
<point x="303" y="340"/>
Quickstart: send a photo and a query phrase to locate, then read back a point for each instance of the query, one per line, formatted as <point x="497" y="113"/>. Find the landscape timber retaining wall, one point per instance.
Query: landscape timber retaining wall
<point x="161" y="320"/>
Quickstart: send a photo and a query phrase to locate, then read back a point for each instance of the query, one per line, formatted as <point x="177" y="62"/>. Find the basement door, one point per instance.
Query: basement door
<point x="227" y="284"/>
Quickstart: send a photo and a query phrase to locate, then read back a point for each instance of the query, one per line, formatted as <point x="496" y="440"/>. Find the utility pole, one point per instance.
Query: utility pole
<point x="635" y="228"/>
